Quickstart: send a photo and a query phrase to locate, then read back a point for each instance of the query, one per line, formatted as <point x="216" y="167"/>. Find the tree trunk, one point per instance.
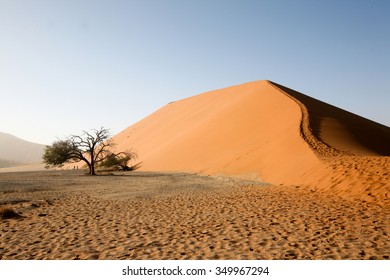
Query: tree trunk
<point x="92" y="155"/>
<point x="92" y="169"/>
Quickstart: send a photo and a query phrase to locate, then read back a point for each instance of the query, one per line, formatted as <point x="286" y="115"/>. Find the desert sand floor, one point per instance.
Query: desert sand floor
<point x="139" y="215"/>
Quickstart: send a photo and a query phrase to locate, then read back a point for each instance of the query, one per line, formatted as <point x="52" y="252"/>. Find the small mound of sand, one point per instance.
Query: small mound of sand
<point x="9" y="213"/>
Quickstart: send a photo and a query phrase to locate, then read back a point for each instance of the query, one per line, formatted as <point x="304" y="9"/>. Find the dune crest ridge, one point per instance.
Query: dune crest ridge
<point x="332" y="131"/>
<point x="265" y="131"/>
<point x="354" y="150"/>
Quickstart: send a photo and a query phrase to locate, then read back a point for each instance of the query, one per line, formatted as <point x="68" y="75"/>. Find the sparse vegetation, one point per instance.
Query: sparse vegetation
<point x="119" y="161"/>
<point x="94" y="148"/>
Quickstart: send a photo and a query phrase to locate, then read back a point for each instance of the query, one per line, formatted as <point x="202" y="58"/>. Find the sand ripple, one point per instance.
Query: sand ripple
<point x="179" y="216"/>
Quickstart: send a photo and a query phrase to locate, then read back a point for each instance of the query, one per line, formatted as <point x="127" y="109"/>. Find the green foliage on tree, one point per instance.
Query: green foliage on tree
<point x="58" y="153"/>
<point x="93" y="147"/>
<point x="119" y="160"/>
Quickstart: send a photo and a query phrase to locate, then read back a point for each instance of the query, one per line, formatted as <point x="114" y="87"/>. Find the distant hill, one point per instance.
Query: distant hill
<point x="14" y="151"/>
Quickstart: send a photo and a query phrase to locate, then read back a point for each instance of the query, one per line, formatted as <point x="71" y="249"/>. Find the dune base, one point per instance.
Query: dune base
<point x="144" y="215"/>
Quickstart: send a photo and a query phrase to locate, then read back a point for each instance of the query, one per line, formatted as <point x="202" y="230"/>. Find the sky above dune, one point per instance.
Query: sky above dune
<point x="68" y="66"/>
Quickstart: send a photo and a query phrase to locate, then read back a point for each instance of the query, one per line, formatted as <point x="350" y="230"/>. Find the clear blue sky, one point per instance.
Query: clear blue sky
<point x="66" y="66"/>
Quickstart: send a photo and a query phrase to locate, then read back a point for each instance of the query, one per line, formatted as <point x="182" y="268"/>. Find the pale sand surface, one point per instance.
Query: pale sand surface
<point x="144" y="215"/>
<point x="24" y="167"/>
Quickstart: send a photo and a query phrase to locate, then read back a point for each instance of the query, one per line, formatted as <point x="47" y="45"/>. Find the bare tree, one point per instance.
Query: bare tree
<point x="91" y="147"/>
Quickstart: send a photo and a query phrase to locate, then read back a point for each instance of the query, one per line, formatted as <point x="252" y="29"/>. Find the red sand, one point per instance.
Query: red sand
<point x="266" y="131"/>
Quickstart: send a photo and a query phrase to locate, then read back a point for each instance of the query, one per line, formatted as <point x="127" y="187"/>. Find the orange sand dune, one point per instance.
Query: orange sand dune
<point x="263" y="131"/>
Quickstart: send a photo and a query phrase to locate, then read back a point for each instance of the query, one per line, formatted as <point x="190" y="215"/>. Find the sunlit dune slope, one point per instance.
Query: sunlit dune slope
<point x="262" y="130"/>
<point x="250" y="129"/>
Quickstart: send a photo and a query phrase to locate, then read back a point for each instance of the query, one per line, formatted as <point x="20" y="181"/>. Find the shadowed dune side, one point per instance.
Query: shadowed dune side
<point x="354" y="150"/>
<point x="341" y="131"/>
